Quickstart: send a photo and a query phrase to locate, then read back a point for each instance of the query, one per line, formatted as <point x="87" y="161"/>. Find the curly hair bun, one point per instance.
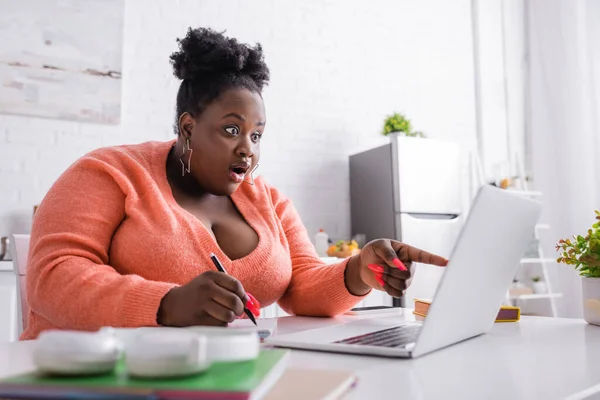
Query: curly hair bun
<point x="204" y="53"/>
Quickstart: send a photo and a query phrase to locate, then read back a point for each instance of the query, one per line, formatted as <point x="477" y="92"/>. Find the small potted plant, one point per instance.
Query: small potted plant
<point x="539" y="286"/>
<point x="399" y="124"/>
<point x="583" y="253"/>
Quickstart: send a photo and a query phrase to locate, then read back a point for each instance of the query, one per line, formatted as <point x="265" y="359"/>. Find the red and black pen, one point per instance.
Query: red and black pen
<point x="220" y="267"/>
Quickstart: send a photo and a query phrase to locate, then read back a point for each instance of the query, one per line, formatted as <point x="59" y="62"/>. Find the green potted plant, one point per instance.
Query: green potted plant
<point x="398" y="123"/>
<point x="539" y="286"/>
<point x="583" y="253"/>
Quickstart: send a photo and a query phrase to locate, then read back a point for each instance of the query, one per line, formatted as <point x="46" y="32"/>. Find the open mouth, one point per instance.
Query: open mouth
<point x="237" y="171"/>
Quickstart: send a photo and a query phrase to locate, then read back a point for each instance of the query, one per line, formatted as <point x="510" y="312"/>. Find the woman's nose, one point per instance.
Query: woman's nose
<point x="244" y="148"/>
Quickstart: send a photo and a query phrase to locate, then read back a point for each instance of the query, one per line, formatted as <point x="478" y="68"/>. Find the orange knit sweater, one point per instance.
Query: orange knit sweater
<point x="109" y="241"/>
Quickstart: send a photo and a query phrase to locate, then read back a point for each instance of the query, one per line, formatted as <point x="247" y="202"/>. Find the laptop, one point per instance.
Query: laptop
<point x="482" y="265"/>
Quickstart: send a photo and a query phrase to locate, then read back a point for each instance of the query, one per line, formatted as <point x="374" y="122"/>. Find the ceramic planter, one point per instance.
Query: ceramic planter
<point x="591" y="300"/>
<point x="539" y="287"/>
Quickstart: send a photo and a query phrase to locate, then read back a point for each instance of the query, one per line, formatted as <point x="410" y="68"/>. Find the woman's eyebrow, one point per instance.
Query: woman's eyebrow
<point x="236" y="115"/>
<point x="242" y="118"/>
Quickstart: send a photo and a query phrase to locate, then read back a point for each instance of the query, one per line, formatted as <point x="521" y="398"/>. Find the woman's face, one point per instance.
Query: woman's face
<point x="225" y="140"/>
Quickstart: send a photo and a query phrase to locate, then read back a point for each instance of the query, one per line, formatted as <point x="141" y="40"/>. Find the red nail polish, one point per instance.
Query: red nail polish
<point x="375" y="268"/>
<point x="253" y="309"/>
<point x="379" y="280"/>
<point x="254" y="301"/>
<point x="399" y="264"/>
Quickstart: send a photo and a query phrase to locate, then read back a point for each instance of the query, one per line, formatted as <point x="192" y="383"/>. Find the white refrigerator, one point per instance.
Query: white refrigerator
<point x="409" y="190"/>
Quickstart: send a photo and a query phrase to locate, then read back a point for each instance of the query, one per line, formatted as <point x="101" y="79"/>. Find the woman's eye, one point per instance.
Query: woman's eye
<point x="256" y="137"/>
<point x="232" y="130"/>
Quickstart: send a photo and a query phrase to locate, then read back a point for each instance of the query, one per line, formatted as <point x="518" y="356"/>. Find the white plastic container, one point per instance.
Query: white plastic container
<point x="166" y="354"/>
<point x="76" y="352"/>
<point x="321" y="243"/>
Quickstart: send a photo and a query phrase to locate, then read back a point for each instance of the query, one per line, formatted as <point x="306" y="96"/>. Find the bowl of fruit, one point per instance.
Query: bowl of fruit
<point x="343" y="249"/>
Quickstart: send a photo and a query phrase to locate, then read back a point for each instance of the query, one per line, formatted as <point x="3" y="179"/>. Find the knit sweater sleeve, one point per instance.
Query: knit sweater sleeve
<point x="316" y="288"/>
<point x="69" y="279"/>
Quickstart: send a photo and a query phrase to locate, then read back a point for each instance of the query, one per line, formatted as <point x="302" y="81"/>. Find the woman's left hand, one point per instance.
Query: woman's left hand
<point x="387" y="265"/>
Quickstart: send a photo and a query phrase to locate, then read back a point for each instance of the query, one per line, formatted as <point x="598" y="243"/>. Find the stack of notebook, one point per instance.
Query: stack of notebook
<point x="506" y="313"/>
<point x="266" y="378"/>
<point x="244" y="380"/>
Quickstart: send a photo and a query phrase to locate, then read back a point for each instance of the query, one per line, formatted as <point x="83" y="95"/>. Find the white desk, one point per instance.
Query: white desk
<point x="537" y="358"/>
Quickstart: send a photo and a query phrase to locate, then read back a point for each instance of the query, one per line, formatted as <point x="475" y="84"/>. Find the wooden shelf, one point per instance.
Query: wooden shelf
<point x="537" y="296"/>
<point x="542" y="261"/>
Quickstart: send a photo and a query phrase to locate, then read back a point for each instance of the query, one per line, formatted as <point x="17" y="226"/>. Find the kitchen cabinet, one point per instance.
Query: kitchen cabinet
<point x="8" y="303"/>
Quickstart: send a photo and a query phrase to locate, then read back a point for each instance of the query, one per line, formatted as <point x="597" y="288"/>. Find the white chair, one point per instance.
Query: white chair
<point x="20" y="253"/>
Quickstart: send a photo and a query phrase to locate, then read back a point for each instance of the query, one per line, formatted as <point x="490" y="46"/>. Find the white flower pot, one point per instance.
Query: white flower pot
<point x="539" y="287"/>
<point x="591" y="300"/>
<point x="393" y="136"/>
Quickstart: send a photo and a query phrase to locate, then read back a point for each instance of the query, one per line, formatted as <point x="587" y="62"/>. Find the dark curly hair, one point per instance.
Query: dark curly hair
<point x="208" y="63"/>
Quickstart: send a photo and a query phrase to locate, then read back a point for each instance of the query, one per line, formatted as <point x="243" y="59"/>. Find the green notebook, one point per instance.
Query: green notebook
<point x="244" y="380"/>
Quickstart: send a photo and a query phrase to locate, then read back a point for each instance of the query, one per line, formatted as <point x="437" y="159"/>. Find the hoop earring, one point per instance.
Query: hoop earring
<point x="186" y="149"/>
<point x="251" y="176"/>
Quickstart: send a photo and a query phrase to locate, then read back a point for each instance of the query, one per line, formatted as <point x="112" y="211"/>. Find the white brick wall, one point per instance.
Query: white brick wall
<point x="338" y="67"/>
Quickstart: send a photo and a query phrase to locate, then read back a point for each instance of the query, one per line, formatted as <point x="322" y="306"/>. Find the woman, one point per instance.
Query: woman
<point x="124" y="236"/>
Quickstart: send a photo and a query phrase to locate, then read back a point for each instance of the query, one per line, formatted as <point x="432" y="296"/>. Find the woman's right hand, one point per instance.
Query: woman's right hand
<point x="212" y="298"/>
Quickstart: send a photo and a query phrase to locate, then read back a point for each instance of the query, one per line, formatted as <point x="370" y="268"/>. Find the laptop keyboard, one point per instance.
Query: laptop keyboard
<point x="392" y="337"/>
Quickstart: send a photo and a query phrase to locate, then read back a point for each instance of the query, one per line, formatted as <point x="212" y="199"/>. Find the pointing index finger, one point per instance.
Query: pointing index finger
<point x="418" y="255"/>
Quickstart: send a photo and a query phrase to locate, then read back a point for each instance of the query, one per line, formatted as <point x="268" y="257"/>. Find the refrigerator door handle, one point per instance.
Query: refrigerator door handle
<point x="431" y="216"/>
